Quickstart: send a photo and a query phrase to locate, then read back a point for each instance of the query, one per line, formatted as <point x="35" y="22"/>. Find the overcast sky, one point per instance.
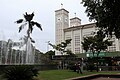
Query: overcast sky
<point x="12" y="10"/>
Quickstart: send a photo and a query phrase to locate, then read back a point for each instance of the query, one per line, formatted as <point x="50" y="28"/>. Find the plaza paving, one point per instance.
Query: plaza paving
<point x="103" y="78"/>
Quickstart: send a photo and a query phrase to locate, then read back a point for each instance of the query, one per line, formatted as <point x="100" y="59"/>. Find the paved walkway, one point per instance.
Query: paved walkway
<point x="81" y="77"/>
<point x="102" y="78"/>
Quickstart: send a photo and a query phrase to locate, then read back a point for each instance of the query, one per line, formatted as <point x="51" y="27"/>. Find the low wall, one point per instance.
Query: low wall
<point x="103" y="68"/>
<point x="109" y="68"/>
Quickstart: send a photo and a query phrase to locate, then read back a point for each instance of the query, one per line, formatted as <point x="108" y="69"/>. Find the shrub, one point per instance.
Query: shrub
<point x="72" y="66"/>
<point x="20" y="72"/>
<point x="91" y="67"/>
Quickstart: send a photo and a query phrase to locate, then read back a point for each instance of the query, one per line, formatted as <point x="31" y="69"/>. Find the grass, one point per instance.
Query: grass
<point x="65" y="74"/>
<point x="1" y="78"/>
<point x="56" y="75"/>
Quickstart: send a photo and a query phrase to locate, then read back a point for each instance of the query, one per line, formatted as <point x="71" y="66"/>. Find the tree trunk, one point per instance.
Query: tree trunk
<point x="97" y="60"/>
<point x="28" y="31"/>
<point x="93" y="53"/>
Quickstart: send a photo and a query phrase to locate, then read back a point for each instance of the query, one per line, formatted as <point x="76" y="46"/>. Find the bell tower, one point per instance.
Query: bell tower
<point x="61" y="22"/>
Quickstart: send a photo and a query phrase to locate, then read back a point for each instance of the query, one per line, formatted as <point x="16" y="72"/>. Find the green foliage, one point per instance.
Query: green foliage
<point x="87" y="42"/>
<point x="20" y="72"/>
<point x="96" y="43"/>
<point x="72" y="66"/>
<point x="47" y="57"/>
<point x="50" y="53"/>
<point x="28" y="20"/>
<point x="106" y="13"/>
<point x="62" y="46"/>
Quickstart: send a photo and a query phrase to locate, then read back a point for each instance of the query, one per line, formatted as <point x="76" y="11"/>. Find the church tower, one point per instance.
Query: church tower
<point x="61" y="22"/>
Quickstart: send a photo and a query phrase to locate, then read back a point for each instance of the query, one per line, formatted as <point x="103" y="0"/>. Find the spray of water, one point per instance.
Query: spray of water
<point x="17" y="53"/>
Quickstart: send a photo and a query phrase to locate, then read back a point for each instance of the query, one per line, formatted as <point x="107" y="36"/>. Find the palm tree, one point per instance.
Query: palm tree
<point x="28" y="20"/>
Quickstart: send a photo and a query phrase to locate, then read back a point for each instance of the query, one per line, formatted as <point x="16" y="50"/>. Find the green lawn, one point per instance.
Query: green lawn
<point x="1" y="78"/>
<point x="64" y="74"/>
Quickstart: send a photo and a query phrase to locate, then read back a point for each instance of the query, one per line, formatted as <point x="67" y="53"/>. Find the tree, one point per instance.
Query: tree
<point x="96" y="44"/>
<point x="28" y="20"/>
<point x="47" y="60"/>
<point x="106" y="13"/>
<point x="47" y="57"/>
<point x="62" y="46"/>
<point x="88" y="44"/>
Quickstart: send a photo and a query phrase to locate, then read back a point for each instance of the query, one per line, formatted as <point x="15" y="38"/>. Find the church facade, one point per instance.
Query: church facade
<point x="66" y="28"/>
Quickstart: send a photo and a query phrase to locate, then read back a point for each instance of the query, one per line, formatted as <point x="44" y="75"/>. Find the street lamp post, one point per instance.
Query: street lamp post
<point x="47" y="45"/>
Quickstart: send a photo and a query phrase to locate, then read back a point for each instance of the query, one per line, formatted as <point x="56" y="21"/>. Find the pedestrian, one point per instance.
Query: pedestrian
<point x="78" y="66"/>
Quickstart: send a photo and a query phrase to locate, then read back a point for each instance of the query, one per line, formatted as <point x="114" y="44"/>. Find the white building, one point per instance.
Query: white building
<point x="76" y="32"/>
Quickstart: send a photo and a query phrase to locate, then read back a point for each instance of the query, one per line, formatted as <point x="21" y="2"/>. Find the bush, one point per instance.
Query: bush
<point x="20" y="72"/>
<point x="91" y="67"/>
<point x="72" y="66"/>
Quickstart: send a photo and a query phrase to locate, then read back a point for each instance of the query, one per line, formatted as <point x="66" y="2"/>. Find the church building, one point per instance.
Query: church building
<point x="66" y="28"/>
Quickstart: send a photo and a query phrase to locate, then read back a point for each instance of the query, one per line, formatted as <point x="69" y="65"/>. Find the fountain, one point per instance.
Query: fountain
<point x="29" y="52"/>
<point x="22" y="52"/>
<point x="16" y="53"/>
